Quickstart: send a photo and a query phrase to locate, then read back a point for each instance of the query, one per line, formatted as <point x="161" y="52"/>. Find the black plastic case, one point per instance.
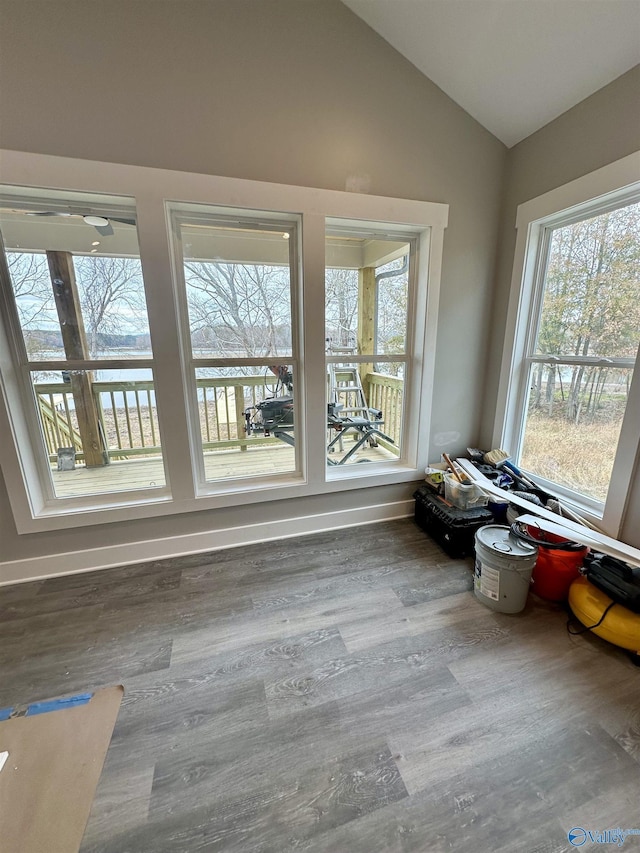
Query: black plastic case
<point x="452" y="528"/>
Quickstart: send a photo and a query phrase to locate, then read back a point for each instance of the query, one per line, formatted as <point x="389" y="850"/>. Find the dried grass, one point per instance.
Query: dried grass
<point x="579" y="456"/>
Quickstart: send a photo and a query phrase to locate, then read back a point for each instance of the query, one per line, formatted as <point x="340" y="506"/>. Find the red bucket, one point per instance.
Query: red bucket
<point x="558" y="563"/>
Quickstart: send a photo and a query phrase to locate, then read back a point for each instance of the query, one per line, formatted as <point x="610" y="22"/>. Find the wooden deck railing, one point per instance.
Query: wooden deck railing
<point x="385" y="393"/>
<point x="129" y="418"/>
<point x="57" y="426"/>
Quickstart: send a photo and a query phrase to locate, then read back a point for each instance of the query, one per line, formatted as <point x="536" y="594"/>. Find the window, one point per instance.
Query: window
<point x="571" y="392"/>
<point x="582" y="357"/>
<point x="239" y="280"/>
<point x="163" y="345"/>
<point x="74" y="292"/>
<point x="366" y="327"/>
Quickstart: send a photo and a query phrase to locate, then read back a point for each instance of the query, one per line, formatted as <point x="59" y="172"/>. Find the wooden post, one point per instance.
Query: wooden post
<point x="65" y="292"/>
<point x="366" y="320"/>
<point x="238" y="399"/>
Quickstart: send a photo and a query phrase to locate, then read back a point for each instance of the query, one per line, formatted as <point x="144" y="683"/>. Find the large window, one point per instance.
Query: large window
<point x="570" y="401"/>
<point x="182" y="342"/>
<point x="239" y="284"/>
<point x="74" y="295"/>
<point x="582" y="357"/>
<point x="366" y="326"/>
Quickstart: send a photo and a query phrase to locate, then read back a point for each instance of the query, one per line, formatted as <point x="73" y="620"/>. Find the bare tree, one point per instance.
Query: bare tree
<point x="341" y="299"/>
<point x="112" y="298"/>
<point x="591" y="306"/>
<point x="32" y="288"/>
<point x="392" y="297"/>
<point x="239" y="309"/>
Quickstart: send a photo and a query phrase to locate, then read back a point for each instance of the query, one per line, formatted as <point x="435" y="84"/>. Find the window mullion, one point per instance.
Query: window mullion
<point x="155" y="254"/>
<point x="313" y="353"/>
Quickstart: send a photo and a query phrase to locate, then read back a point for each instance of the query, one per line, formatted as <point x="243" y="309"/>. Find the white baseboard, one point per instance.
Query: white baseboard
<point x="55" y="565"/>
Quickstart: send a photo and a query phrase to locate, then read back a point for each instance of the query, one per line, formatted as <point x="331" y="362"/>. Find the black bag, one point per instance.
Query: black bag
<point x="616" y="579"/>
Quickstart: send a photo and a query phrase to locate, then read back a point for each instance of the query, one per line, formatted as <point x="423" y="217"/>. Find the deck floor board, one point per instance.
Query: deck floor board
<point x="136" y="473"/>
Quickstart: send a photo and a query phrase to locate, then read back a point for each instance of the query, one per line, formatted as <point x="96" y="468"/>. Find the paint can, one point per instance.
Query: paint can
<point x="503" y="568"/>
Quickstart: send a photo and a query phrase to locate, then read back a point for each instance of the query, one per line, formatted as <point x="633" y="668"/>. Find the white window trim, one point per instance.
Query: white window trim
<point x="277" y="222"/>
<point x="416" y="297"/>
<point x="152" y="189"/>
<point x="610" y="186"/>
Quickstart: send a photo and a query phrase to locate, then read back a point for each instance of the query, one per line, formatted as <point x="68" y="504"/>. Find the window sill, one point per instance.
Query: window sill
<point x="70" y="516"/>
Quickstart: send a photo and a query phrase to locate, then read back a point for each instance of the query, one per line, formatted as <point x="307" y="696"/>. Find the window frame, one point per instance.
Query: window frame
<point x="609" y="188"/>
<point x="41" y="492"/>
<point x="154" y="191"/>
<point x="415" y="298"/>
<point x="212" y="214"/>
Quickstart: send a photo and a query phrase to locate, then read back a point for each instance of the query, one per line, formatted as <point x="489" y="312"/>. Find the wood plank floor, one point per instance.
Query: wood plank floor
<point x="135" y="473"/>
<point x="343" y="692"/>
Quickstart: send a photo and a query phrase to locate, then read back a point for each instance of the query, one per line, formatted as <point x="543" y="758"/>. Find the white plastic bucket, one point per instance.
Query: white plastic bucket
<point x="503" y="568"/>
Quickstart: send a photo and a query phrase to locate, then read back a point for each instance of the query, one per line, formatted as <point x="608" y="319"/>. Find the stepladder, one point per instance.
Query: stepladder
<point x="350" y="411"/>
<point x="346" y="393"/>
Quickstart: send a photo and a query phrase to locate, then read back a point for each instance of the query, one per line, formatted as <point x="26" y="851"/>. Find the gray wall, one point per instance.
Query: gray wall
<point x="597" y="131"/>
<point x="286" y="91"/>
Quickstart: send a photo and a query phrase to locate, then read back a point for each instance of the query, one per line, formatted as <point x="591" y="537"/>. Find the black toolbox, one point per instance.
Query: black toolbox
<point x="452" y="528"/>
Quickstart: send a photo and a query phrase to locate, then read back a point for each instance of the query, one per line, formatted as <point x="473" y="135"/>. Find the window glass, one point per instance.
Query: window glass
<point x="341" y="309"/>
<point x="246" y="419"/>
<point x="572" y="424"/>
<point x="591" y="301"/>
<point x="589" y="321"/>
<point x="391" y="313"/>
<point x="239" y="275"/>
<point x="365" y="412"/>
<point x="372" y="296"/>
<point x="366" y="309"/>
<point x="75" y="281"/>
<point x="100" y="430"/>
<point x="104" y="273"/>
<point x="29" y="274"/>
<point x="238" y="288"/>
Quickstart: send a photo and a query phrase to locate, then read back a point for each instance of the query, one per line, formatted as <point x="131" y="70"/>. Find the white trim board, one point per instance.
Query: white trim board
<point x="155" y="192"/>
<point x="606" y="180"/>
<point x="583" y="536"/>
<point x="75" y="562"/>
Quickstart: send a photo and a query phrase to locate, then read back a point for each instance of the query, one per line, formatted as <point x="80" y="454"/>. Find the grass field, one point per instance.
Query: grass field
<point x="579" y="456"/>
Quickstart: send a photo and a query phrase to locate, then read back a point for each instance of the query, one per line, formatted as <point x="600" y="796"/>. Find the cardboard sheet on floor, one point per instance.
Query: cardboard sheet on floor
<point x="48" y="781"/>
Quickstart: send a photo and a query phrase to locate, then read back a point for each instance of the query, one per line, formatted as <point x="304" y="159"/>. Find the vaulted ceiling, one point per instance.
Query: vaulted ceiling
<point x="514" y="65"/>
